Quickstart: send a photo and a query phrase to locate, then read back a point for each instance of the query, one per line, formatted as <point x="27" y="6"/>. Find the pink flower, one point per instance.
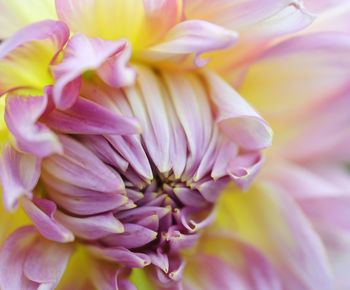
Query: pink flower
<point x="124" y="124"/>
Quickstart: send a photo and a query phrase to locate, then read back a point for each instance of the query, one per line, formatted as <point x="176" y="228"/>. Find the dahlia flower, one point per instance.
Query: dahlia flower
<point x="128" y="138"/>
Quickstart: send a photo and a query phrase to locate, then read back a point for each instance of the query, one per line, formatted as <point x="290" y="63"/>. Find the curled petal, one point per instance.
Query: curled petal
<point x="22" y="117"/>
<point x="190" y="37"/>
<point x="244" y="168"/>
<point x="42" y="213"/>
<point x="236" y="118"/>
<point x="25" y="57"/>
<point x="83" y="54"/>
<point x="19" y="174"/>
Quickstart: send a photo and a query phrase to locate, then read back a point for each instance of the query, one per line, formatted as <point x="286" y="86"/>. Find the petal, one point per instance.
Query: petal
<point x="236" y="118"/>
<point x="25" y="57"/>
<point x="19" y="175"/>
<point x="80" y="167"/>
<point x="307" y="61"/>
<point x="87" y="117"/>
<point x="22" y="118"/>
<point x="94" y="17"/>
<point x="93" y="227"/>
<point x="233" y="14"/>
<point x="46" y="262"/>
<point x="273" y="223"/>
<point x="41" y="212"/>
<point x="83" y="54"/>
<point x="12" y="257"/>
<point x="233" y="265"/>
<point x="190" y="37"/>
<point x="17" y="14"/>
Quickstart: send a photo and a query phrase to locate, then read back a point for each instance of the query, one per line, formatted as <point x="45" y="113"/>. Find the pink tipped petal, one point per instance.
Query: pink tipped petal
<point x="234" y="265"/>
<point x="19" y="174"/>
<point x="87" y="117"/>
<point x="83" y="54"/>
<point x="42" y="213"/>
<point x="32" y="136"/>
<point x="236" y="118"/>
<point x="24" y="58"/>
<point x="244" y="168"/>
<point x="93" y="227"/>
<point x="46" y="262"/>
<point x="116" y="71"/>
<point x="191" y="37"/>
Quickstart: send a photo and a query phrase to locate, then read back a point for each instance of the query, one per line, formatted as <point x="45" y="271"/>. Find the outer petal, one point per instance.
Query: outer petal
<point x="17" y="14"/>
<point x="83" y="54"/>
<point x="19" y="175"/>
<point x="28" y="262"/>
<point x="25" y="57"/>
<point x="307" y="62"/>
<point x="234" y="265"/>
<point x="234" y="14"/>
<point x="190" y="37"/>
<point x="272" y="222"/>
<point x="22" y="115"/>
<point x="236" y="118"/>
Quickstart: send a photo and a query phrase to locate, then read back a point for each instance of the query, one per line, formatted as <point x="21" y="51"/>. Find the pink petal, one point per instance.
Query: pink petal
<point x="271" y="221"/>
<point x="19" y="174"/>
<point x="236" y="118"/>
<point x="190" y="37"/>
<point x="87" y="117"/>
<point x="220" y="268"/>
<point x="29" y="52"/>
<point x="22" y="118"/>
<point x="93" y="227"/>
<point x="46" y="262"/>
<point x="12" y="257"/>
<point x="83" y="54"/>
<point x="80" y="167"/>
<point x="42" y="212"/>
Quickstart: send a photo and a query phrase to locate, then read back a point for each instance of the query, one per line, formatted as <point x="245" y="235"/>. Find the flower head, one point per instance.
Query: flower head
<point x="122" y="129"/>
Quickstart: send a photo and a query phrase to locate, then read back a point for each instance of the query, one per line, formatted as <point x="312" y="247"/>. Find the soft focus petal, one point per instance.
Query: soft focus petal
<point x="25" y="57"/>
<point x="17" y="14"/>
<point x="192" y="37"/>
<point x="234" y="265"/>
<point x="234" y="14"/>
<point x="272" y="222"/>
<point x="29" y="262"/>
<point x="83" y="54"/>
<point x="19" y="175"/>
<point x="287" y="78"/>
<point x="236" y="118"/>
<point x="22" y="118"/>
<point x="95" y="18"/>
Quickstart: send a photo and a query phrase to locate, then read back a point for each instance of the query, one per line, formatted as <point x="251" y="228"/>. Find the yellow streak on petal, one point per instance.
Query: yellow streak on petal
<point x="27" y="66"/>
<point x="16" y="14"/>
<point x="4" y="132"/>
